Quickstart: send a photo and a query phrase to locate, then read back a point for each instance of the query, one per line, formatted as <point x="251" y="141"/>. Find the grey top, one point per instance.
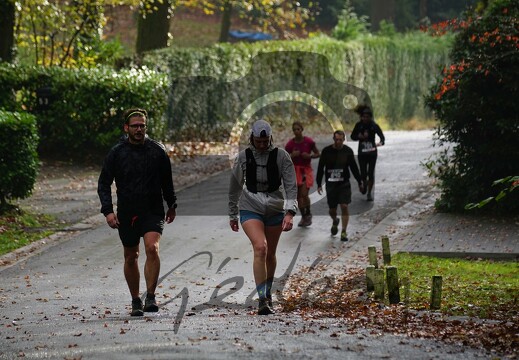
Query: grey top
<point x="281" y="200"/>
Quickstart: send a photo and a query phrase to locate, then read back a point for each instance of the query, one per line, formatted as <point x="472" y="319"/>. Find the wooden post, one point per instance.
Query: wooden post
<point x="372" y="252"/>
<point x="436" y="293"/>
<point x="386" y="253"/>
<point x="378" y="283"/>
<point x="370" y="277"/>
<point x="393" y="290"/>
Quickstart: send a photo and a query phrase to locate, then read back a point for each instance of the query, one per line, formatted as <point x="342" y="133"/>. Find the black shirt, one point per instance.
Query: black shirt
<point x="337" y="163"/>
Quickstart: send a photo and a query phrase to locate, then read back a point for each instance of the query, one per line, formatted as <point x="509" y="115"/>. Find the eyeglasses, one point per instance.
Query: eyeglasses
<point x="139" y="126"/>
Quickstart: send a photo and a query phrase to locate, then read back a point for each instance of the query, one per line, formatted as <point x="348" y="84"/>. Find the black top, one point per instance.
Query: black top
<point x="367" y="146"/>
<point x="142" y="176"/>
<point x="337" y="165"/>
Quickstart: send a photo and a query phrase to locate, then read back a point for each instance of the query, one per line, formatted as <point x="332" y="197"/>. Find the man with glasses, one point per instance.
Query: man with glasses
<point x="335" y="163"/>
<point x="141" y="169"/>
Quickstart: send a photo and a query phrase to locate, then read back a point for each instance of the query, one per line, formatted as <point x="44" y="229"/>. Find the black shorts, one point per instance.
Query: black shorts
<point x="133" y="226"/>
<point x="339" y="193"/>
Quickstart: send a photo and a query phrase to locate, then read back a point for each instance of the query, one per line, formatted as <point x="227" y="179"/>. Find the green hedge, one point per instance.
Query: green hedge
<point x="396" y="72"/>
<point x="18" y="156"/>
<point x="83" y="116"/>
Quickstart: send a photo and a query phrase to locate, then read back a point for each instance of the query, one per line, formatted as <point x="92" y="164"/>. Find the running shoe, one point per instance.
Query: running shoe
<point x="269" y="300"/>
<point x="264" y="308"/>
<point x="344" y="237"/>
<point x="150" y="304"/>
<point x="137" y="307"/>
<point x="306" y="220"/>
<point x="364" y="188"/>
<point x="334" y="230"/>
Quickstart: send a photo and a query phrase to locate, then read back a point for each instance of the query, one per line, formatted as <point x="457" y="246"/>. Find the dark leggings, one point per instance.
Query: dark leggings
<point x="367" y="167"/>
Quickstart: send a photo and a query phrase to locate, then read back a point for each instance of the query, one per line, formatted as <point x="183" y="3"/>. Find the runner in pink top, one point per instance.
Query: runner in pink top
<point x="302" y="150"/>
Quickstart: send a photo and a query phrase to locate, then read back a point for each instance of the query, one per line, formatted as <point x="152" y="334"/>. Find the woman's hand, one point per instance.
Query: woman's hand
<point x="234" y="225"/>
<point x="288" y="222"/>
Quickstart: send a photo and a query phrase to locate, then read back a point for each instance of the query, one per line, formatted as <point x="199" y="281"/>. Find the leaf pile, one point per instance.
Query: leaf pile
<point x="344" y="296"/>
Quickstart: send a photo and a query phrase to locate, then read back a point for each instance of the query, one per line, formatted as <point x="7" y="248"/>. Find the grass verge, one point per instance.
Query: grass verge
<point x="479" y="288"/>
<point x="483" y="294"/>
<point x="20" y="228"/>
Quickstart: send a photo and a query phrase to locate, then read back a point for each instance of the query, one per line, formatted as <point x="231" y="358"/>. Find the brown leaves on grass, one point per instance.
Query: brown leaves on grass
<point x="344" y="296"/>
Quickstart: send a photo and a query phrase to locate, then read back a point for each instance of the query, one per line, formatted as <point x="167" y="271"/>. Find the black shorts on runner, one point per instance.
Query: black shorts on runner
<point x="338" y="194"/>
<point x="132" y="227"/>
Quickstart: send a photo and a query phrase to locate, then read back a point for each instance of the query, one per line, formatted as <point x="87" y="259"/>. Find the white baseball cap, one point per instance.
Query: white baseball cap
<point x="261" y="128"/>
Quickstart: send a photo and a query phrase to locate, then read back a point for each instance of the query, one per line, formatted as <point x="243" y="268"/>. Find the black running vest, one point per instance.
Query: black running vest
<point x="274" y="180"/>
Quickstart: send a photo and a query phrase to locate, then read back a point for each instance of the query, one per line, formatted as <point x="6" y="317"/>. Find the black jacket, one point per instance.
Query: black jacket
<point x="142" y="176"/>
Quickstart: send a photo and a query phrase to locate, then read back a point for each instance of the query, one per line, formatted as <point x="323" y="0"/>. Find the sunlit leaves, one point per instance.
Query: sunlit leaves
<point x="279" y="17"/>
<point x="64" y="33"/>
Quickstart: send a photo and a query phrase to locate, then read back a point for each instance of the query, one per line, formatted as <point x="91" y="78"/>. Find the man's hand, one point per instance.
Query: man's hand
<point x="112" y="220"/>
<point x="320" y="190"/>
<point x="234" y="225"/>
<point x="171" y="215"/>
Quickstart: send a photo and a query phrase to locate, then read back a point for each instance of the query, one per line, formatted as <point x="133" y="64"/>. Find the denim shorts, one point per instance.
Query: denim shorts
<point x="274" y="220"/>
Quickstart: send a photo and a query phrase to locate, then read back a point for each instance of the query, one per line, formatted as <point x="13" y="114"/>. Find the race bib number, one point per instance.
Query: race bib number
<point x="335" y="175"/>
<point x="368" y="147"/>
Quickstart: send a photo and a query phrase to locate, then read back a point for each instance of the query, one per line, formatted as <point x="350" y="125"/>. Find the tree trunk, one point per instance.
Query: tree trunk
<point x="153" y="28"/>
<point x="7" y="16"/>
<point x="226" y="22"/>
<point x="382" y="10"/>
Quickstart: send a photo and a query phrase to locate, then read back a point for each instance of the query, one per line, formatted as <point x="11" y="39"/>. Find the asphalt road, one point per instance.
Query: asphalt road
<point x="70" y="299"/>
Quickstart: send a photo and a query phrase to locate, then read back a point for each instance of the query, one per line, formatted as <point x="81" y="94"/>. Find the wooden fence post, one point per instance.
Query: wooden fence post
<point x="436" y="293"/>
<point x="370" y="277"/>
<point x="372" y="252"/>
<point x="393" y="290"/>
<point x="386" y="253"/>
<point x="379" y="284"/>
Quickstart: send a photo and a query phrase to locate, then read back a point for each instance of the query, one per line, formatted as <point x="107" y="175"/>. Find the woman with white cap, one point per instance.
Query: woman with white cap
<point x="267" y="173"/>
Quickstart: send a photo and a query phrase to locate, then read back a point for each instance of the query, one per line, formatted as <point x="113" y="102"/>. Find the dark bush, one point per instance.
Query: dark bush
<point x="18" y="156"/>
<point x="475" y="101"/>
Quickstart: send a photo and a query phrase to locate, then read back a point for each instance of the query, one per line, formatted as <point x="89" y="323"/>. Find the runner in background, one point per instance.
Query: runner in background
<point x="365" y="131"/>
<point x="302" y="150"/>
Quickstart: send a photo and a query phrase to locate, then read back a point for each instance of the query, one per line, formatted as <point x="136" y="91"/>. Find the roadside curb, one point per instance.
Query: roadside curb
<point x="16" y="256"/>
<point x="400" y="225"/>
